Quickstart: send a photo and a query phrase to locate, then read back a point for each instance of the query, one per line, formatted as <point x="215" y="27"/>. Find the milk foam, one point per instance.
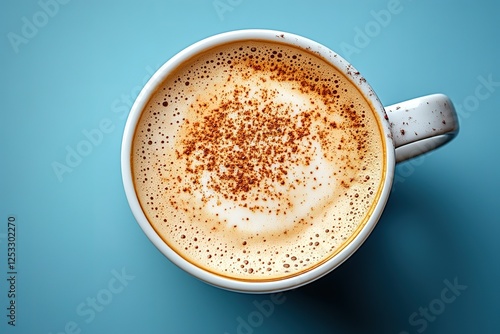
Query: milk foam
<point x="257" y="160"/>
<point x="271" y="217"/>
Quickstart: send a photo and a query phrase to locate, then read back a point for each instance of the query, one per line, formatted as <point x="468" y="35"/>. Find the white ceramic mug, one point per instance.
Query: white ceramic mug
<point x="412" y="127"/>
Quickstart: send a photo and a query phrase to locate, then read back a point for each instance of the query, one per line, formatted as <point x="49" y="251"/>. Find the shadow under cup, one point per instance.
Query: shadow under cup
<point x="268" y="149"/>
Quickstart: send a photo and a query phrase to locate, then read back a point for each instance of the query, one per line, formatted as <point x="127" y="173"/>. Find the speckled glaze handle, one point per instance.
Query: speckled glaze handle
<point x="422" y="124"/>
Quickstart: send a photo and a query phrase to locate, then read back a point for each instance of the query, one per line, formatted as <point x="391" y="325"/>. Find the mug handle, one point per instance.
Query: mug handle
<point x="422" y="124"/>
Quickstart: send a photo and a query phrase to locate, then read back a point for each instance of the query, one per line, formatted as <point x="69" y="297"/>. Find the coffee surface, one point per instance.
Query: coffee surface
<point x="257" y="160"/>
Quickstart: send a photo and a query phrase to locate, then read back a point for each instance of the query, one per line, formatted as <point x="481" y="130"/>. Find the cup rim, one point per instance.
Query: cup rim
<point x="273" y="36"/>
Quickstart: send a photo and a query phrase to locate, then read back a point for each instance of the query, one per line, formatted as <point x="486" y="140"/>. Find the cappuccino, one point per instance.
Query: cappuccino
<point x="257" y="160"/>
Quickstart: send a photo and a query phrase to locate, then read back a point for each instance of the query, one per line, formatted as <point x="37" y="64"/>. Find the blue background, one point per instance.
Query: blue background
<point x="81" y="65"/>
